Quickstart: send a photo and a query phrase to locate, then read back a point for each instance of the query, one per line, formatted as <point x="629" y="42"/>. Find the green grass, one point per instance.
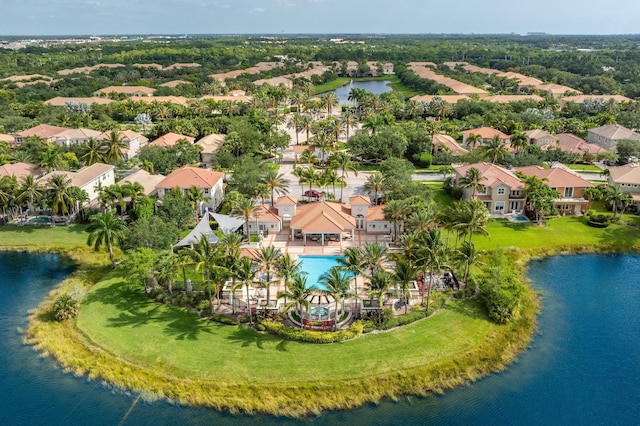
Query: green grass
<point x="556" y="234"/>
<point x="118" y="317"/>
<point x="43" y="237"/>
<point x="585" y="167"/>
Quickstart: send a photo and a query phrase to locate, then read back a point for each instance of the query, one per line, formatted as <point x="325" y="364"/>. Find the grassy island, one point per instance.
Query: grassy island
<point x="160" y="351"/>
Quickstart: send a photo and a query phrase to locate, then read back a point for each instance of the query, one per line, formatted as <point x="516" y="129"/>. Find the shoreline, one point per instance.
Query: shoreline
<point x="491" y="354"/>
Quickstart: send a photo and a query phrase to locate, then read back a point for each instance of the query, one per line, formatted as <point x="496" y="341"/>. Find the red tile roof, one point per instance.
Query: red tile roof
<point x="187" y="177"/>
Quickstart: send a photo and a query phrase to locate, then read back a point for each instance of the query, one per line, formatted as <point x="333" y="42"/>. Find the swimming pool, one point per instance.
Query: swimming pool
<point x="315" y="266"/>
<point x="39" y="220"/>
<point x="520" y="218"/>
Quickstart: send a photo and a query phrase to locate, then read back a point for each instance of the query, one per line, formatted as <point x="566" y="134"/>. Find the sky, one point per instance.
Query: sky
<point x="100" y="17"/>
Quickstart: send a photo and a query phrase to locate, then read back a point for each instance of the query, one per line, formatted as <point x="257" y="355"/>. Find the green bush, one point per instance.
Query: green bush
<point x="301" y="335"/>
<point x="260" y="327"/>
<point x="65" y="307"/>
<point x="223" y="319"/>
<point x="423" y="160"/>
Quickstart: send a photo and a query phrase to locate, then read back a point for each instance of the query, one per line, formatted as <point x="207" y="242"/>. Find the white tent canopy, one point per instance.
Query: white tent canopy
<point x="202" y="228"/>
<point x="227" y="223"/>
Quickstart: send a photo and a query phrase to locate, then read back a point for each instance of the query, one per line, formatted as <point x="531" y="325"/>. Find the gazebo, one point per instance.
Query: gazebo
<point x="322" y="221"/>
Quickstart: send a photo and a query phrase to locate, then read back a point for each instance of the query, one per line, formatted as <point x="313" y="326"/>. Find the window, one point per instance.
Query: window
<point x="501" y="191"/>
<point x="515" y="193"/>
<point x="499" y="206"/>
<point x="482" y="190"/>
<point x="206" y="190"/>
<point x="514" y="205"/>
<point x="568" y="192"/>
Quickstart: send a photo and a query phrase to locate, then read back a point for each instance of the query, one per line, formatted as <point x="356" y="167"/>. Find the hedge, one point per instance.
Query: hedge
<point x="301" y="335"/>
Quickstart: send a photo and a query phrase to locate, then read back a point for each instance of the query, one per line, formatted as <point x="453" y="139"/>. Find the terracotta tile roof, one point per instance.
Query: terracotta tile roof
<point x="505" y="99"/>
<point x="251" y="253"/>
<point x="485" y="133"/>
<point x="125" y="135"/>
<point x="492" y="175"/>
<point x="322" y="216"/>
<point x="211" y="143"/>
<point x="6" y="138"/>
<point x="581" y="98"/>
<point x="186" y="177"/>
<point x="359" y="199"/>
<point x="557" y="177"/>
<point x="287" y="199"/>
<point x="20" y="170"/>
<point x="274" y="81"/>
<point x="152" y="65"/>
<point x="614" y="132"/>
<point x="629" y="173"/>
<point x="174" y="83"/>
<point x="375" y="213"/>
<point x="84" y="175"/>
<point x="450" y="143"/>
<point x="15" y="78"/>
<point x="185" y="65"/>
<point x="171" y="139"/>
<point x="127" y="90"/>
<point x="61" y="101"/>
<point x="144" y="178"/>
<point x="539" y="134"/>
<point x="44" y="131"/>
<point x="180" y="100"/>
<point x="450" y="99"/>
<point x="267" y="214"/>
<point x="232" y="98"/>
<point x="77" y="134"/>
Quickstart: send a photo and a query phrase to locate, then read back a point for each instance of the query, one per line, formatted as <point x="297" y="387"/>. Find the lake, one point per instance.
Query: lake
<point x="582" y="368"/>
<point x="376" y="87"/>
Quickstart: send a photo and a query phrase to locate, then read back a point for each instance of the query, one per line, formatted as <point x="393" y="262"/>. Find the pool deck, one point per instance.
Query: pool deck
<point x="282" y="241"/>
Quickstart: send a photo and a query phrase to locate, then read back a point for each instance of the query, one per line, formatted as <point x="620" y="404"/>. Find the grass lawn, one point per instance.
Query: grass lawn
<point x="587" y="167"/>
<point x="560" y="232"/>
<point x="116" y="316"/>
<point x="46" y="237"/>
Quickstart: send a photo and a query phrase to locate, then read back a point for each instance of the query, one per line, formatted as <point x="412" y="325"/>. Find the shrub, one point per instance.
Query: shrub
<point x="599" y="221"/>
<point x="260" y="327"/>
<point x="423" y="160"/>
<point x="301" y="335"/>
<point x="65" y="307"/>
<point x="222" y="318"/>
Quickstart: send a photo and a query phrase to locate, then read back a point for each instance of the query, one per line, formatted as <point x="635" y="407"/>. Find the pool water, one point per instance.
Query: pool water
<point x="520" y="219"/>
<point x="315" y="266"/>
<point x="39" y="219"/>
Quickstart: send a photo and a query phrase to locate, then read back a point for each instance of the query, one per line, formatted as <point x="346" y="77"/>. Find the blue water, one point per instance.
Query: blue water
<point x="376" y="87"/>
<point x="315" y="266"/>
<point x="583" y="368"/>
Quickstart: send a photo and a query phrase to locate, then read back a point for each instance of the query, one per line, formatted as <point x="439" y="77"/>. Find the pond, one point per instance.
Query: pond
<point x="376" y="87"/>
<point x="582" y="368"/>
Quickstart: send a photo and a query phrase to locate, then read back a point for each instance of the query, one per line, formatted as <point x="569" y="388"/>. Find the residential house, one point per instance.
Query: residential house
<point x="133" y="140"/>
<point x="265" y="220"/>
<point x="628" y="177"/>
<point x="569" y="185"/>
<point x="210" y="145"/>
<point x="138" y="91"/>
<point x="487" y="134"/>
<point x="210" y="183"/>
<point x="502" y="192"/>
<point x="21" y="170"/>
<point x="75" y="136"/>
<point x="43" y="131"/>
<point x="275" y="81"/>
<point x="60" y="101"/>
<point x="447" y="143"/>
<point x="608" y="136"/>
<point x="171" y="139"/>
<point x="541" y="138"/>
<point x="174" y="83"/>
<point x="148" y="181"/>
<point x="7" y="138"/>
<point x="568" y="142"/>
<point x="90" y="179"/>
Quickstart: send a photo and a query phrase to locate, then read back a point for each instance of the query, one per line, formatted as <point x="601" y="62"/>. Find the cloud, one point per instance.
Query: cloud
<point x="259" y="10"/>
<point x="284" y="3"/>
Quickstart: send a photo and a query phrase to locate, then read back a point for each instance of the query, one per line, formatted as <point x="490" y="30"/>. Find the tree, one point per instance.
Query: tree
<point x="268" y="258"/>
<point x="341" y="161"/>
<point x="404" y="274"/>
<point x="540" y="198"/>
<point x="51" y="158"/>
<point x="246" y="209"/>
<point x="433" y="253"/>
<point x="374" y="187"/>
<point x="244" y="273"/>
<point x="114" y="148"/>
<point x="468" y="254"/>
<point x="166" y="268"/>
<point x="60" y="193"/>
<point x="152" y="233"/>
<point x="353" y="261"/>
<point x="105" y="229"/>
<point x="205" y="257"/>
<point x="472" y="179"/>
<point x="297" y="294"/>
<point x="473" y="140"/>
<point x="397" y="212"/>
<point x="176" y="209"/>
<point x="336" y="282"/>
<point x="276" y="183"/>
<point x="374" y="255"/>
<point x="519" y="141"/>
<point x="137" y="265"/>
<point x="379" y="285"/>
<point x="494" y="151"/>
<point x="195" y="196"/>
<point x="473" y="217"/>
<point x="287" y="268"/>
<point x="92" y="152"/>
<point x="65" y="307"/>
<point x="614" y="196"/>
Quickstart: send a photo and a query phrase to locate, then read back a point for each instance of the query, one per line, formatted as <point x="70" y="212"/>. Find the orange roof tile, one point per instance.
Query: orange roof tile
<point x="186" y="177"/>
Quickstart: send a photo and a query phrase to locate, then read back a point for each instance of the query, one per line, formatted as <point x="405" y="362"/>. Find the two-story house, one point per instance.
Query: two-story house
<point x="45" y="132"/>
<point x="502" y="192"/>
<point x="133" y="140"/>
<point x="541" y="138"/>
<point x="171" y="139"/>
<point x="569" y="185"/>
<point x="75" y="136"/>
<point x="486" y="135"/>
<point x="210" y="183"/>
<point x="628" y="177"/>
<point x="90" y="179"/>
<point x="608" y="136"/>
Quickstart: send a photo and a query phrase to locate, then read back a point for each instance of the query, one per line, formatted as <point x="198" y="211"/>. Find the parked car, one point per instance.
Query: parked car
<point x="313" y="193"/>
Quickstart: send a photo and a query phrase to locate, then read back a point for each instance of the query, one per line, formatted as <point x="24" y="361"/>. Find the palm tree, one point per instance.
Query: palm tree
<point x="268" y="258"/>
<point x="434" y="250"/>
<point x="287" y="268"/>
<point x="353" y="261"/>
<point x="51" y="158"/>
<point x="276" y="183"/>
<point x="60" y="193"/>
<point x="494" y="150"/>
<point x="474" y="217"/>
<point x="295" y="123"/>
<point x="307" y="125"/>
<point x="166" y="269"/>
<point x="342" y="161"/>
<point x="105" y="230"/>
<point x="30" y="192"/>
<point x="329" y="101"/>
<point x="114" y="148"/>
<point x="195" y="196"/>
<point x="92" y="152"/>
<point x="246" y="209"/>
<point x="348" y="120"/>
<point x="297" y="294"/>
<point x="205" y="257"/>
<point x="244" y="273"/>
<point x="374" y="186"/>
<point x="379" y="285"/>
<point x="336" y="283"/>
<point x="396" y="211"/>
<point x="614" y="196"/>
<point x="135" y="190"/>
<point x="472" y="180"/>
<point x="468" y="254"/>
<point x="519" y="141"/>
<point x="374" y="255"/>
<point x="473" y="140"/>
<point x="404" y="273"/>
